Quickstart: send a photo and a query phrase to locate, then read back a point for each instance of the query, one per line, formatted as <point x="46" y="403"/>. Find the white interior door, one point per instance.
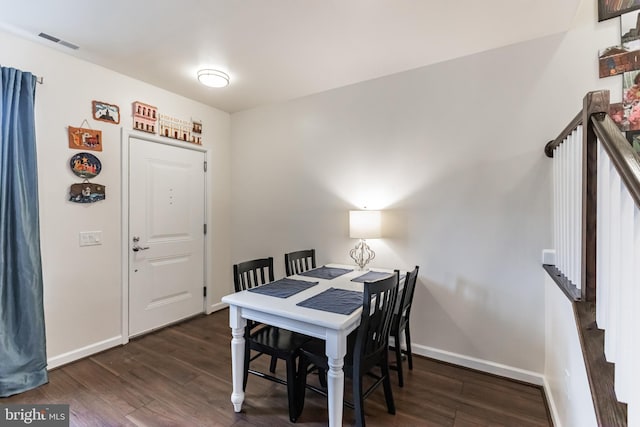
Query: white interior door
<point x="166" y="234"/>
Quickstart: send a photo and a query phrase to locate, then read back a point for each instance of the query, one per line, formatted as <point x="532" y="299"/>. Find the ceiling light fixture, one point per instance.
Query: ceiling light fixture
<point x="213" y="78"/>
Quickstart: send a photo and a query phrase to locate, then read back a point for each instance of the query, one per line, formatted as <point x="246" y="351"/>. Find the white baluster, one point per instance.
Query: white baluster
<point x="556" y="203"/>
<point x="623" y="365"/>
<point x="633" y="405"/>
<point x="571" y="177"/>
<point x="602" y="239"/>
<point x="578" y="214"/>
<point x="563" y="207"/>
<point x="613" y="321"/>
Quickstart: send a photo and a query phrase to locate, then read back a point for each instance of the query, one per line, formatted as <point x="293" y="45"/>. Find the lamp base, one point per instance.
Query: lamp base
<point x="362" y="254"/>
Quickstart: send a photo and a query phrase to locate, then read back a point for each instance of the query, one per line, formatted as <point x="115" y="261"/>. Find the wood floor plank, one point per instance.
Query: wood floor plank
<point x="123" y="396"/>
<point x="181" y="376"/>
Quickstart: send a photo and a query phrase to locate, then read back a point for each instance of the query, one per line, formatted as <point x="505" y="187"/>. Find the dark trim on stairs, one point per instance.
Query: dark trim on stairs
<point x="609" y="412"/>
<point x="565" y="285"/>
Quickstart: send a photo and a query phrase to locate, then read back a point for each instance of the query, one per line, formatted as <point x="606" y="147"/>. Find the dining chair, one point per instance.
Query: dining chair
<point x="400" y="324"/>
<point x="367" y="349"/>
<point x="299" y="261"/>
<point x="264" y="339"/>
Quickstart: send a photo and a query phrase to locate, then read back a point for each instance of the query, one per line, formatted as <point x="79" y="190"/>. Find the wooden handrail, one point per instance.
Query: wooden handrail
<point x="622" y="155"/>
<point x="573" y="124"/>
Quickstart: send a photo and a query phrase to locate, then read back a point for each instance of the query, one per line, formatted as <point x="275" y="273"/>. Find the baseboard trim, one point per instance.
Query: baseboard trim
<point x="72" y="356"/>
<point x="216" y="307"/>
<point x="479" y="364"/>
<point x="555" y="417"/>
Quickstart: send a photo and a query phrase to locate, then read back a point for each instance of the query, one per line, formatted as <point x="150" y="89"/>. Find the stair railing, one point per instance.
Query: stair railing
<point x="596" y="198"/>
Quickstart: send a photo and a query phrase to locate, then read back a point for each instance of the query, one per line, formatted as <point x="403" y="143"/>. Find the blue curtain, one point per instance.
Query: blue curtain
<point x="23" y="358"/>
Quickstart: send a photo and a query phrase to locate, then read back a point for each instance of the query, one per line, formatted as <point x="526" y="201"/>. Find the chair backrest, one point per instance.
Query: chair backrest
<point x="300" y="261"/>
<point x="406" y="299"/>
<point x="249" y="274"/>
<point x="372" y="339"/>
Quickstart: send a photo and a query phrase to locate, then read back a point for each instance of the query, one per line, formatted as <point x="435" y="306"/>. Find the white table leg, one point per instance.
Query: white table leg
<point x="237" y="324"/>
<point x="336" y="349"/>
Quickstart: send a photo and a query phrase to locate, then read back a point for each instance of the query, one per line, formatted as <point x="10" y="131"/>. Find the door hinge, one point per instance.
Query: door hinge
<point x="205" y="165"/>
<point x="205" y="228"/>
<point x="204" y="291"/>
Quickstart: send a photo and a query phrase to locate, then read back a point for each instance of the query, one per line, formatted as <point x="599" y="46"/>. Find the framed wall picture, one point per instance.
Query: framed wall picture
<point x="86" y="192"/>
<point x="611" y="8"/>
<point x="106" y="112"/>
<point x="633" y="136"/>
<point x="85" y="139"/>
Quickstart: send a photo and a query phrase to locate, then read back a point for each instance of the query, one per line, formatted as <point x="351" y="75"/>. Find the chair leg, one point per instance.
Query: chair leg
<point x="386" y="383"/>
<point x="407" y="334"/>
<point x="322" y="377"/>
<point x="358" y="402"/>
<point x="398" y="351"/>
<point x="291" y="390"/>
<point x="301" y="385"/>
<point x="272" y="366"/>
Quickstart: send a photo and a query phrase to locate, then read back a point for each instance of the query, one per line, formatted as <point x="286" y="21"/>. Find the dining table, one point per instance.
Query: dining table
<point x="325" y="304"/>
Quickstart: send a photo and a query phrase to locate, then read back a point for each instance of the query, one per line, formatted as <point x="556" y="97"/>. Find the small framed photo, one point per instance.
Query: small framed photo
<point x="633" y="136"/>
<point x="85" y="139"/>
<point x="611" y="8"/>
<point x="106" y="112"/>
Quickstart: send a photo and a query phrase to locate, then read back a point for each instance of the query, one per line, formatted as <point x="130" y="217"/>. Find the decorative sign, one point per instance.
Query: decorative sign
<point x="106" y="112"/>
<point x="172" y="127"/>
<point x="86" y="192"/>
<point x="85" y="165"/>
<point x="144" y="117"/>
<point x="611" y="8"/>
<point x="85" y="139"/>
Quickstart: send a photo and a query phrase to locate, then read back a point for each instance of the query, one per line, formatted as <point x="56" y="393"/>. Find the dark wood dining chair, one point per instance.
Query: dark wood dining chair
<point x="400" y="324"/>
<point x="367" y="349"/>
<point x="299" y="261"/>
<point x="264" y="339"/>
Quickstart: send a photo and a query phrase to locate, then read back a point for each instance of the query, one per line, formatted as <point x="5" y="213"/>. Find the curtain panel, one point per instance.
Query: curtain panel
<point x="23" y="359"/>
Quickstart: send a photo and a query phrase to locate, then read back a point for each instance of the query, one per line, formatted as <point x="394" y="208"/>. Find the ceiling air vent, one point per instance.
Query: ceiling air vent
<point x="57" y="40"/>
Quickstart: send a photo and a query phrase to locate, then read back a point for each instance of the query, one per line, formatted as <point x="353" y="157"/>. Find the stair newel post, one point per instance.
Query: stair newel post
<point x="594" y="103"/>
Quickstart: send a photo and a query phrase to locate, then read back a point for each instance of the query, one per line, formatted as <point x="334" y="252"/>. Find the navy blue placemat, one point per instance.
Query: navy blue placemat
<point x="339" y="301"/>
<point x="371" y="276"/>
<point x="283" y="288"/>
<point x="326" y="272"/>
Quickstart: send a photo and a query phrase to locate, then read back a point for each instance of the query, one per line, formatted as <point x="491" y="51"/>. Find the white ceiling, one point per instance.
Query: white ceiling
<point x="275" y="50"/>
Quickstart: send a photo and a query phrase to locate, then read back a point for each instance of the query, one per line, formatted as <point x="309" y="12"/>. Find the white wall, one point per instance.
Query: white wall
<point x="82" y="286"/>
<point x="566" y="385"/>
<point x="454" y="152"/>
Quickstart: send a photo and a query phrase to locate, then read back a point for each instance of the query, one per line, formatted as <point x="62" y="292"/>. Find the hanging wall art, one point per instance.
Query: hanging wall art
<point x="87" y="192"/>
<point x="611" y="8"/>
<point x="85" y="138"/>
<point x="85" y="165"/>
<point x="106" y="112"/>
<point x="145" y="117"/>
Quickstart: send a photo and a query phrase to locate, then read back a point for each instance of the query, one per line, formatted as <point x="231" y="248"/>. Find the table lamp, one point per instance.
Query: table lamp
<point x="364" y="225"/>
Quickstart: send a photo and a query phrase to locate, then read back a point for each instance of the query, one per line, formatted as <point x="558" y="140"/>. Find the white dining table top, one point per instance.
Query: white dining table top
<point x="286" y="307"/>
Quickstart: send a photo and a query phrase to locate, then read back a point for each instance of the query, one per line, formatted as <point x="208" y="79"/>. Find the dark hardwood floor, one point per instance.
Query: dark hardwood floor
<point x="180" y="376"/>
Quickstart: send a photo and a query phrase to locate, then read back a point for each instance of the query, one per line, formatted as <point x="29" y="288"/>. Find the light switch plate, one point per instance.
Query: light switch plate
<point x="90" y="238"/>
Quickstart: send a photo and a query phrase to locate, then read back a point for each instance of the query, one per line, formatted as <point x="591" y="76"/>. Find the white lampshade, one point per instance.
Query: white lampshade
<point x="213" y="78"/>
<point x="365" y="224"/>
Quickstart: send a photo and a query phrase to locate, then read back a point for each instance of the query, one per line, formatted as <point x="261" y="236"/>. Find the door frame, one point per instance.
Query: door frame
<point x="125" y="141"/>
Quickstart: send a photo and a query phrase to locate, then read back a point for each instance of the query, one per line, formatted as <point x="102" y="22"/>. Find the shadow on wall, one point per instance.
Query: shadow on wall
<point x="477" y="234"/>
<point x="461" y="317"/>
